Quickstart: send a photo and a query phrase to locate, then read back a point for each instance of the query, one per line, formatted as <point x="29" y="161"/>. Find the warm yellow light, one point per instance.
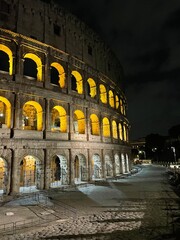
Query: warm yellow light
<point x="79" y="81"/>
<point x="79" y="122"/>
<point x="117" y="101"/>
<point x="120" y="131"/>
<point x="38" y="62"/>
<point x="39" y="113"/>
<point x="106" y="127"/>
<point x="111" y="99"/>
<point x="94" y="124"/>
<point x="61" y="114"/>
<point x="92" y="86"/>
<point x="125" y="136"/>
<point x="103" y="93"/>
<point x="61" y="72"/>
<point x="121" y="106"/>
<point x="114" y="129"/>
<point x="9" y="53"/>
<point x="7" y="111"/>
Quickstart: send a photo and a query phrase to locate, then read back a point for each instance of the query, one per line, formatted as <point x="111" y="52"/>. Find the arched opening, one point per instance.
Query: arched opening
<point x="30" y="68"/>
<point x="32" y="116"/>
<point x="106" y="127"/>
<point x="80" y="169"/>
<point x="117" y="102"/>
<point x="6" y="59"/>
<point x="123" y="164"/>
<point x="5" y="113"/>
<point x="103" y="93"/>
<point x="54" y="76"/>
<point x="124" y="130"/>
<point x="114" y="129"/>
<point x="59" y="119"/>
<point x="91" y="88"/>
<point x="120" y="131"/>
<point x="79" y="122"/>
<point x="111" y="99"/>
<point x="94" y="124"/>
<point x="30" y="174"/>
<point x="117" y="164"/>
<point x="57" y="74"/>
<point x="59" y="171"/>
<point x="121" y="107"/>
<point x="3" y="176"/>
<point x="77" y="82"/>
<point x="108" y="166"/>
<point x="127" y="163"/>
<point x="96" y="167"/>
<point x="33" y="66"/>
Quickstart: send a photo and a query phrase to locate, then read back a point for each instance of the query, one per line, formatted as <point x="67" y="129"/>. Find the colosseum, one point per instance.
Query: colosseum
<point x="62" y="107"/>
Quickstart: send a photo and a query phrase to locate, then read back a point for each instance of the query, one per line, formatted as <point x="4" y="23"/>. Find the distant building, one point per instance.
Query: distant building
<point x="62" y="107"/>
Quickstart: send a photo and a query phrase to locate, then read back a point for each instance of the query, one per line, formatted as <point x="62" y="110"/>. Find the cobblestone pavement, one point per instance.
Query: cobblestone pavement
<point x="139" y="207"/>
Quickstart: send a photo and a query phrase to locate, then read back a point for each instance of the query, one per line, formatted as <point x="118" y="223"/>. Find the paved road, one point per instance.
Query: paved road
<point x="142" y="206"/>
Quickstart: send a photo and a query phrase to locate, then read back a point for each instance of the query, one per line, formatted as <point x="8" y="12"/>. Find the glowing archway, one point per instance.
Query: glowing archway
<point x="79" y="81"/>
<point x="61" y="72"/>
<point x="92" y="87"/>
<point x="106" y="127"/>
<point x="5" y="112"/>
<point x="121" y="107"/>
<point x="30" y="173"/>
<point x="32" y="116"/>
<point x="10" y="55"/>
<point x="117" y="102"/>
<point x="114" y="129"/>
<point x="38" y="62"/>
<point x="103" y="93"/>
<point x="94" y="124"/>
<point x="111" y="98"/>
<point x="125" y="134"/>
<point x="59" y="119"/>
<point x="79" y="122"/>
<point x="120" y="131"/>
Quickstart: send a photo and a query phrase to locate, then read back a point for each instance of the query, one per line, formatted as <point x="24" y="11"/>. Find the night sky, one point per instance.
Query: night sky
<point x="145" y="35"/>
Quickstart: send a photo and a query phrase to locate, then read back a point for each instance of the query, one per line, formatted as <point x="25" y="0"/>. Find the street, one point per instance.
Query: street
<point x="141" y="206"/>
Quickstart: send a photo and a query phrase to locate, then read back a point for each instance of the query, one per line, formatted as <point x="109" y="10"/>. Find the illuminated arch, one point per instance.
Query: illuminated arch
<point x="79" y="122"/>
<point x="30" y="173"/>
<point x="32" y="116"/>
<point x="111" y="98"/>
<point x="38" y="62"/>
<point x="92" y="87"/>
<point x="120" y="131"/>
<point x="121" y="107"/>
<point x="94" y="124"/>
<point x="3" y="175"/>
<point x="61" y="72"/>
<point x="114" y="129"/>
<point x="5" y="112"/>
<point x="10" y="55"/>
<point x="124" y="130"/>
<point x="103" y="93"/>
<point x="79" y="81"/>
<point x="59" y="119"/>
<point x="117" y="101"/>
<point x="106" y="127"/>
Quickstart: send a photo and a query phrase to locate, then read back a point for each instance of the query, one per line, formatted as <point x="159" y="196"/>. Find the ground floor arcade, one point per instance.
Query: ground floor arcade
<point x="28" y="170"/>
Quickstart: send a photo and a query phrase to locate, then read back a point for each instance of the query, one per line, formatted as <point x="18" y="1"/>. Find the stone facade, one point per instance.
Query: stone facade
<point x="62" y="108"/>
